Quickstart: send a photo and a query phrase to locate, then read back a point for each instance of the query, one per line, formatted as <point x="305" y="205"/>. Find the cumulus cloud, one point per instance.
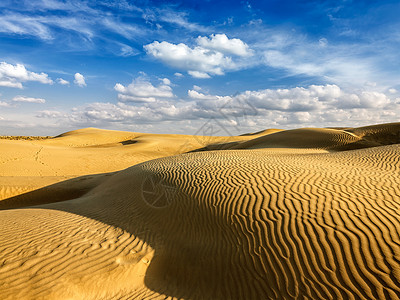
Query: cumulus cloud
<point x="295" y="99"/>
<point x="166" y="81"/>
<point x="209" y="57"/>
<point x="207" y="100"/>
<point x="197" y="74"/>
<point x="312" y="106"/>
<point x="62" y="81"/>
<point x="141" y="90"/>
<point x="221" y="43"/>
<point x="28" y="99"/>
<point x="364" y="99"/>
<point x="79" y="80"/>
<point x="314" y="103"/>
<point x="49" y="114"/>
<point x="195" y="94"/>
<point x="196" y="88"/>
<point x="4" y="104"/>
<point x="14" y="75"/>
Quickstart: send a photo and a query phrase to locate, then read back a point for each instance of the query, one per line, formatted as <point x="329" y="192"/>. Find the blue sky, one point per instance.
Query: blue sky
<point x="172" y="66"/>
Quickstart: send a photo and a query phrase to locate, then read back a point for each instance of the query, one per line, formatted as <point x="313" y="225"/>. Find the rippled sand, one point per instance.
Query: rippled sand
<point x="305" y="213"/>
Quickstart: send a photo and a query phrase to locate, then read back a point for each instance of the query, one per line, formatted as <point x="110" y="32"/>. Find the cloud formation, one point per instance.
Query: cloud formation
<point x="62" y="81"/>
<point x="28" y="99"/>
<point x="297" y="54"/>
<point x="14" y="75"/>
<point x="24" y="25"/>
<point x="197" y="74"/>
<point x="141" y="90"/>
<point x="83" y="20"/>
<point x="221" y="43"/>
<point x="312" y="106"/>
<point x="4" y="104"/>
<point x="209" y="57"/>
<point x="50" y="114"/>
<point x="79" y="80"/>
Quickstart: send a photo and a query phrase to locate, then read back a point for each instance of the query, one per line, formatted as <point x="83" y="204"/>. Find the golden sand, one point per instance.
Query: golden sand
<point x="305" y="213"/>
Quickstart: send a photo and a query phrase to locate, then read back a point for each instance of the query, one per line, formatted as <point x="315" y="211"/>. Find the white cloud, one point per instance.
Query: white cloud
<point x="49" y="114"/>
<point x="197" y="95"/>
<point x="78" y="18"/>
<point x="364" y="99"/>
<point x="301" y="117"/>
<point x="208" y="58"/>
<point x="392" y="91"/>
<point x="11" y="83"/>
<point x="62" y="81"/>
<point x="24" y="25"/>
<point x="373" y="100"/>
<point x="127" y="51"/>
<point x="197" y="74"/>
<point x="323" y="42"/>
<point x="312" y="106"/>
<point x="333" y="66"/>
<point x="14" y="75"/>
<point x="175" y="18"/>
<point x="342" y="63"/>
<point x="4" y="104"/>
<point x="79" y="80"/>
<point x="198" y="59"/>
<point x="141" y="90"/>
<point x="221" y="43"/>
<point x="166" y="81"/>
<point x="126" y="30"/>
<point x="28" y="99"/>
<point x="177" y="74"/>
<point x="370" y="84"/>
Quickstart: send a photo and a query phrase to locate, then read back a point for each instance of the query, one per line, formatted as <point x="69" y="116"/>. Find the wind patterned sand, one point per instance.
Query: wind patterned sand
<point x="305" y="213"/>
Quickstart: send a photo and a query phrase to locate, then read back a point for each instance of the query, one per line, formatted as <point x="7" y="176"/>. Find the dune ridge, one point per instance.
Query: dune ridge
<point x="321" y="222"/>
<point x="34" y="164"/>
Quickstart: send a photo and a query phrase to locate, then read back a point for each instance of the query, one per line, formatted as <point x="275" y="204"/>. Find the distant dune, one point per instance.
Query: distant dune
<point x="278" y="214"/>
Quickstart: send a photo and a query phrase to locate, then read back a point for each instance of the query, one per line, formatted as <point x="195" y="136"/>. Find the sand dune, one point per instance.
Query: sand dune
<point x="276" y="215"/>
<point x="26" y="165"/>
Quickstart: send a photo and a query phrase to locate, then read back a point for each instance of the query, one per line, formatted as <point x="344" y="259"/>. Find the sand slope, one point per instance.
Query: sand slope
<point x="258" y="223"/>
<point x="27" y="165"/>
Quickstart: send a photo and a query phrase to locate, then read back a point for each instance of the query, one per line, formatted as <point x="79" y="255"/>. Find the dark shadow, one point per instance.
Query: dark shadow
<point x="212" y="147"/>
<point x="128" y="142"/>
<point x="203" y="249"/>
<point x="196" y="247"/>
<point x="253" y="133"/>
<point x="61" y="191"/>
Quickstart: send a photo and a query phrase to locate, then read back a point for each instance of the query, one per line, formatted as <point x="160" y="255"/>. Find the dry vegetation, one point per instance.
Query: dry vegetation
<point x="21" y="137"/>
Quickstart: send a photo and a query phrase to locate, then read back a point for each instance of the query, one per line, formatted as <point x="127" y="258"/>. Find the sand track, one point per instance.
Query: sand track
<point x="231" y="224"/>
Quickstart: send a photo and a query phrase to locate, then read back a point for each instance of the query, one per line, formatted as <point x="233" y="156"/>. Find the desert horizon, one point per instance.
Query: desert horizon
<point x="275" y="214"/>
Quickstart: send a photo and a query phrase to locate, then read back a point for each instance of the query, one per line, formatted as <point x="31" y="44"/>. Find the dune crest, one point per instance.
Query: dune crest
<point x="318" y="220"/>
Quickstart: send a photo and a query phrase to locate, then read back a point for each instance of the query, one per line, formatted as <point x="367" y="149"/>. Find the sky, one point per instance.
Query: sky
<point x="197" y="67"/>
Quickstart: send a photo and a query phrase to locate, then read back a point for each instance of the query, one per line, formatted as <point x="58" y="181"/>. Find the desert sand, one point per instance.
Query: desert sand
<point x="311" y="213"/>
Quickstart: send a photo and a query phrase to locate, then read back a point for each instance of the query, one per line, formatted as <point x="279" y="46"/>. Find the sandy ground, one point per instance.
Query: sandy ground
<point x="304" y="213"/>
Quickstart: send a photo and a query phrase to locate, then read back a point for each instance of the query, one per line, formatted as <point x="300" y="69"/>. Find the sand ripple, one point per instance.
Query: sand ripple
<point x="230" y="224"/>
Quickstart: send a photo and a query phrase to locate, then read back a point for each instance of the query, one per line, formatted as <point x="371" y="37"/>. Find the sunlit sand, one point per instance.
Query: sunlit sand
<point x="279" y="214"/>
